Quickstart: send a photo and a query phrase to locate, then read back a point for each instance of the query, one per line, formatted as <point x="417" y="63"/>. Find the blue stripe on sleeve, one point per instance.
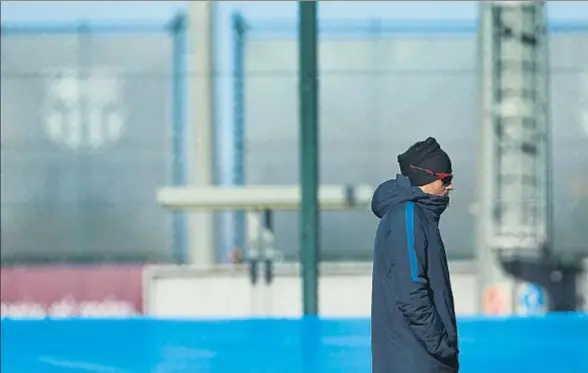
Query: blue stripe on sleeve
<point x="412" y="258"/>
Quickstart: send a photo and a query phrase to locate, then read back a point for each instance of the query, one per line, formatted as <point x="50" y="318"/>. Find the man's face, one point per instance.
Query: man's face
<point x="438" y="188"/>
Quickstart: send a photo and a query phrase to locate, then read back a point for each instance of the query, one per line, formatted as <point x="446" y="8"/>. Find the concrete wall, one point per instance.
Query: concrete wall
<point x="344" y="291"/>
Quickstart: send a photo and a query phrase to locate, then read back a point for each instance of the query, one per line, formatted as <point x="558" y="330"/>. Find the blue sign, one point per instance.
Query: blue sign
<point x="532" y="299"/>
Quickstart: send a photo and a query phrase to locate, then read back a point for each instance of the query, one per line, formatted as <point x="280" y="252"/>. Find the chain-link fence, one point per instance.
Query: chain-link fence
<point x="91" y="122"/>
<point x="384" y="86"/>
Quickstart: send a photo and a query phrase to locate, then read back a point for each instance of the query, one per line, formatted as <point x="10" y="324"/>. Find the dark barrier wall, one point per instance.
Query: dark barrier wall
<point x="87" y="135"/>
<point x="510" y="345"/>
<point x="383" y="86"/>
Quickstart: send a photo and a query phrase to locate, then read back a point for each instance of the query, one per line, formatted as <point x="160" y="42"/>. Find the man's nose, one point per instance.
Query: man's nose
<point x="449" y="187"/>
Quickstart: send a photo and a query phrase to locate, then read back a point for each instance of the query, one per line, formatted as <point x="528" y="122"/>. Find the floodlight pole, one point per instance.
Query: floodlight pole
<point x="309" y="154"/>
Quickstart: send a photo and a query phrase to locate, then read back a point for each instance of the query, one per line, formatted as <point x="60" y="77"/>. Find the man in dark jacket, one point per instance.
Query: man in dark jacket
<point x="413" y="326"/>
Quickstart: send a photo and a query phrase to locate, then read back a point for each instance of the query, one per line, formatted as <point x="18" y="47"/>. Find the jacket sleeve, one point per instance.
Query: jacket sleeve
<point x="411" y="283"/>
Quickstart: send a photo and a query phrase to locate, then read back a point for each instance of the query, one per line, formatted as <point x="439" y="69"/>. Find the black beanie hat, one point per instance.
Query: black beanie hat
<point x="424" y="155"/>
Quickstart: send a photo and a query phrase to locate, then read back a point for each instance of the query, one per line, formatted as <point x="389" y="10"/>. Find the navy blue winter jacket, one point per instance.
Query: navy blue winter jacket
<point x="413" y="328"/>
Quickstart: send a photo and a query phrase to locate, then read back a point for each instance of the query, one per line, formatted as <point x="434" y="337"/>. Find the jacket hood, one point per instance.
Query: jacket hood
<point x="399" y="190"/>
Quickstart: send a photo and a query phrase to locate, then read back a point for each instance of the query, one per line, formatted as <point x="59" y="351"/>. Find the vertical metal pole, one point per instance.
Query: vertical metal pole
<point x="201" y="70"/>
<point x="82" y="75"/>
<point x="178" y="29"/>
<point x="239" y="115"/>
<point x="485" y="258"/>
<point x="544" y="89"/>
<point x="309" y="150"/>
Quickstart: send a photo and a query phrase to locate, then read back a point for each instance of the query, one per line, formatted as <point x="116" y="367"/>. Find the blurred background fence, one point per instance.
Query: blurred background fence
<point x="92" y="124"/>
<point x="108" y="128"/>
<point x="382" y="86"/>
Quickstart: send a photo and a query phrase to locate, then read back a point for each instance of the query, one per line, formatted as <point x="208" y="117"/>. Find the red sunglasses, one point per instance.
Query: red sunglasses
<point x="444" y="177"/>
